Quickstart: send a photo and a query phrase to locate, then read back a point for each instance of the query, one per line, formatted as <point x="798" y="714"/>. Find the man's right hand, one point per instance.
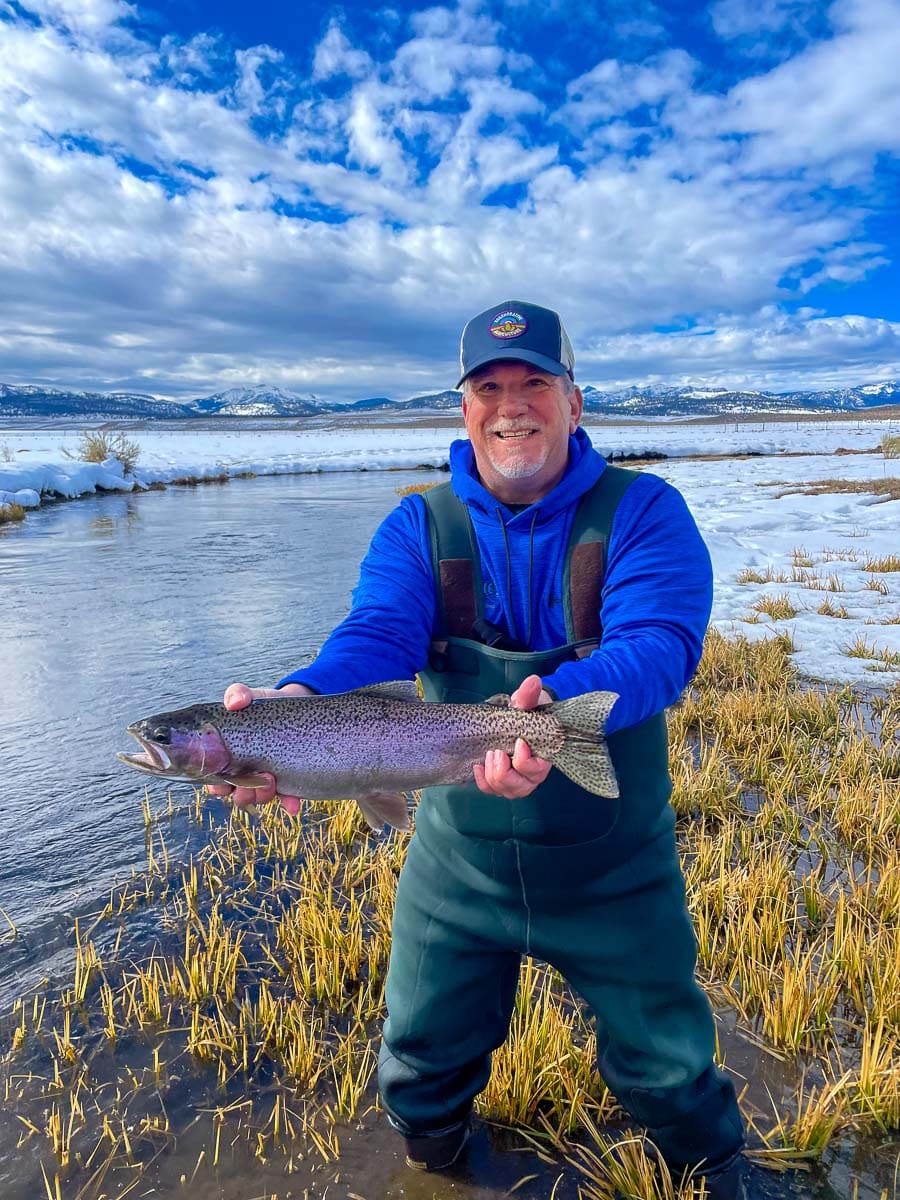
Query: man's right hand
<point x="239" y="695"/>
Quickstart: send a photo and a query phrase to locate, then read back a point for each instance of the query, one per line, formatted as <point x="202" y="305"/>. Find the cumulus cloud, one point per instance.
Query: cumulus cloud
<point x="177" y="215"/>
<point x="88" y="16"/>
<point x="334" y="55"/>
<point x="737" y="19"/>
<point x="769" y="350"/>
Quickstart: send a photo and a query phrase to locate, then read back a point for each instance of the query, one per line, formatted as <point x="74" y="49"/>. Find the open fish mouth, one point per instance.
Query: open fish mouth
<point x="152" y="759"/>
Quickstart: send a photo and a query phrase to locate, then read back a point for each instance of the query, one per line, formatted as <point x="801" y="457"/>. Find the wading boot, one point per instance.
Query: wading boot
<point x="730" y="1184"/>
<point x="439" y="1150"/>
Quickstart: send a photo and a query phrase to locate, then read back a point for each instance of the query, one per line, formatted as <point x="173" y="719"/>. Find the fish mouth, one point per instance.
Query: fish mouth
<point x="152" y="759"/>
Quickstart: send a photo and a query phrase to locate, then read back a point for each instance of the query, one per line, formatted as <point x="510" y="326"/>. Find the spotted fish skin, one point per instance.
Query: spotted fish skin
<point x="371" y="744"/>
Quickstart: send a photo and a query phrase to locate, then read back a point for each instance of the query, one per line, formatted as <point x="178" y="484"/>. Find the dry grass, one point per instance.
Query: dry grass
<point x="890" y="446"/>
<point x="887" y="563"/>
<point x="415" y="489"/>
<point x="881" y="658"/>
<point x="769" y="575"/>
<point x="9" y="513"/>
<point x="888" y="488"/>
<point x="778" y="607"/>
<point x="99" y="445"/>
<point x="876" y="585"/>
<point x="827" y="609"/>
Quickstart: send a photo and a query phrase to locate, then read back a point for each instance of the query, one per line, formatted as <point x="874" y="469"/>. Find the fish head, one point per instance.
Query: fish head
<point x="179" y="745"/>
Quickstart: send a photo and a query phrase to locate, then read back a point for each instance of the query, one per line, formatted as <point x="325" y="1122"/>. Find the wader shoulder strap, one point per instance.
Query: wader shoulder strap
<point x="586" y="554"/>
<point x="455" y="562"/>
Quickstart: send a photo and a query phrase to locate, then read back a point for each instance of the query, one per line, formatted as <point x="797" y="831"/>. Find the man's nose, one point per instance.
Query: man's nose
<point x="513" y="400"/>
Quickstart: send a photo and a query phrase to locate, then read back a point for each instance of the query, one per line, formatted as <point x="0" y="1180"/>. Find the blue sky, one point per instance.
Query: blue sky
<point x="196" y="196"/>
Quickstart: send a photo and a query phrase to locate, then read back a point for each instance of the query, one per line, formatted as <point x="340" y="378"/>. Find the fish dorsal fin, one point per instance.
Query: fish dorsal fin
<point x="396" y="689"/>
<point x="384" y="808"/>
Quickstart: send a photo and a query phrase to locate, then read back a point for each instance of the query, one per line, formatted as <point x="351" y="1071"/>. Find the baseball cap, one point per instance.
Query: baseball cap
<point x="518" y="330"/>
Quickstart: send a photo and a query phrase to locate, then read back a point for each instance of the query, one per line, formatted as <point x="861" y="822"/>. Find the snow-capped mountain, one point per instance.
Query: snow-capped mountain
<point x="257" y="400"/>
<point x="34" y="401"/>
<point x="263" y="400"/>
<point x="702" y="400"/>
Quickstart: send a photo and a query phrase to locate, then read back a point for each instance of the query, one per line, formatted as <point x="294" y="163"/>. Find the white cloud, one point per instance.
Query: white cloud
<point x="168" y="243"/>
<point x="834" y="107"/>
<point x="770" y="350"/>
<point x="253" y="93"/>
<point x="738" y="19"/>
<point x="613" y="88"/>
<point x="89" y="16"/>
<point x="334" y="55"/>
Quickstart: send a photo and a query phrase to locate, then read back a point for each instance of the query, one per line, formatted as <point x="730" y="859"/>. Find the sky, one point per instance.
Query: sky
<point x="196" y="196"/>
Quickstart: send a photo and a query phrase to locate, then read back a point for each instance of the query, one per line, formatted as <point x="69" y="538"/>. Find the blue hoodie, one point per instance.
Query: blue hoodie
<point x="656" y="595"/>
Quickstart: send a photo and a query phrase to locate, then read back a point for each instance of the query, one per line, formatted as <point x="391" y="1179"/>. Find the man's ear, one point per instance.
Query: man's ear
<point x="577" y="402"/>
<point x="465" y="406"/>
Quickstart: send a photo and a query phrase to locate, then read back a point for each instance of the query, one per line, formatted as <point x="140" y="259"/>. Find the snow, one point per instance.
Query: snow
<point x="813" y="548"/>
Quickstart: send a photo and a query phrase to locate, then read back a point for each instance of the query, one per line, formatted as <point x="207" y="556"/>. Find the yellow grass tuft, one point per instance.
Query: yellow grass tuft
<point x="778" y="607"/>
<point x="415" y="489"/>
<point x="9" y="513"/>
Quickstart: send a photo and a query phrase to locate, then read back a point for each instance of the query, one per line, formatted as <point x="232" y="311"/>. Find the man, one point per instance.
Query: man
<point x="499" y="582"/>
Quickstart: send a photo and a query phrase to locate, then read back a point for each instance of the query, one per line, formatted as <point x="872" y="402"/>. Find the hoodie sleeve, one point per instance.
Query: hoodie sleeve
<point x="387" y="633"/>
<point x="656" y="602"/>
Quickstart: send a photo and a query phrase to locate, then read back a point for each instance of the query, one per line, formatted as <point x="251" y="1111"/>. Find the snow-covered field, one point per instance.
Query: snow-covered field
<point x="815" y="551"/>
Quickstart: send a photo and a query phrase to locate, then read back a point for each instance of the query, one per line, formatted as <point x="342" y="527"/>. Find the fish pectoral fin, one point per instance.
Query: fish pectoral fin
<point x="395" y="689"/>
<point x="499" y="700"/>
<point x="384" y="808"/>
<point x="250" y="781"/>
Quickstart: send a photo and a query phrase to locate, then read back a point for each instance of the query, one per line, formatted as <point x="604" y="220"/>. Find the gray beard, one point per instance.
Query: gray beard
<point x="518" y="468"/>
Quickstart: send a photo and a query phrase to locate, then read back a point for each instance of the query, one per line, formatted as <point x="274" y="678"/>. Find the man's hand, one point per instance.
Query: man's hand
<point x="238" y="695"/>
<point x="519" y="776"/>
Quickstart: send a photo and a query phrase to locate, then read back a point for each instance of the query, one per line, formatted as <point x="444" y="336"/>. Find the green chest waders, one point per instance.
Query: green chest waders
<point x="589" y="884"/>
<point x="582" y="832"/>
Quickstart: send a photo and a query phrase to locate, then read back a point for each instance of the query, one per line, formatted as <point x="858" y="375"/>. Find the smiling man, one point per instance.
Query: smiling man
<point x="539" y="571"/>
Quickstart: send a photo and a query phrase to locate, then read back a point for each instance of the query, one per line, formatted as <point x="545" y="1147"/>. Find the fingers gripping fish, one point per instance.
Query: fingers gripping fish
<point x="371" y="745"/>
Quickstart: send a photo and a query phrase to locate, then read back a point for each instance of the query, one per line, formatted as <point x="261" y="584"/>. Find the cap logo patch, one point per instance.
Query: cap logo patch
<point x="507" y="324"/>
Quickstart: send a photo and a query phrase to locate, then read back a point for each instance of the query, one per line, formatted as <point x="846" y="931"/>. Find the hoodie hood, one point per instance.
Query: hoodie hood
<point x="584" y="468"/>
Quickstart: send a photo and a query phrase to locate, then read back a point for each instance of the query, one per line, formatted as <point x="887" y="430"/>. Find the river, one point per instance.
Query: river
<point x="121" y="604"/>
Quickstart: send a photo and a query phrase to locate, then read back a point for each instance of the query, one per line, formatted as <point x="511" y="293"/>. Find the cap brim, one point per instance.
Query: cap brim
<point x="529" y="356"/>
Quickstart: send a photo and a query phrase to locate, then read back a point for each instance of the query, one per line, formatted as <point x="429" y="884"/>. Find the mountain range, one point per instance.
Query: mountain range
<point x="261" y="400"/>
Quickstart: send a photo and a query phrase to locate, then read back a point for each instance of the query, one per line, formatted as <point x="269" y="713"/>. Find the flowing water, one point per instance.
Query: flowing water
<point x="119" y="605"/>
<point x="116" y="606"/>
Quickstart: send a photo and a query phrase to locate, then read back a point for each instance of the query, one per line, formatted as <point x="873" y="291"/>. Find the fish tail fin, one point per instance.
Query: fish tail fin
<point x="584" y="756"/>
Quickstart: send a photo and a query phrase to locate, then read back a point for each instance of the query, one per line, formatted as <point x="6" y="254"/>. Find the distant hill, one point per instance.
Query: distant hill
<point x="696" y="400"/>
<point x="92" y="406"/>
<point x="262" y="400"/>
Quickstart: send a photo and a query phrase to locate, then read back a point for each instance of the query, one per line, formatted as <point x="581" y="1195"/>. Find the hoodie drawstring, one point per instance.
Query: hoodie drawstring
<point x="513" y="633"/>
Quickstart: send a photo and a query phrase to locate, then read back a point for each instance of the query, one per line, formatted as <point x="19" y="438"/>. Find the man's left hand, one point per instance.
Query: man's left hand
<point x="518" y="776"/>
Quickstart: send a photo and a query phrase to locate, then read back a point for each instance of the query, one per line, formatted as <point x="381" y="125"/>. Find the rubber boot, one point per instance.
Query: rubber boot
<point x="729" y="1184"/>
<point x="437" y="1151"/>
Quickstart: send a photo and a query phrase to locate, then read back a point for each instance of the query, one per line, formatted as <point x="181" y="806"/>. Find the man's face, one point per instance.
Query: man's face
<point x="518" y="419"/>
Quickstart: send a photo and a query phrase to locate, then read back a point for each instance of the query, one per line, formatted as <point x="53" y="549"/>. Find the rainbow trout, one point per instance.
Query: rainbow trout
<point x="371" y="745"/>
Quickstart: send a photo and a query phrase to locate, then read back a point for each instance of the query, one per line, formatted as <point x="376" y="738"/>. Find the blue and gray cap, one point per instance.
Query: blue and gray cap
<point x="516" y="330"/>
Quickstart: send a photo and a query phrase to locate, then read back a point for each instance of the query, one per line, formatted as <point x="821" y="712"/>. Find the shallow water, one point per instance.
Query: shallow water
<point x="116" y="606"/>
<point x="119" y="605"/>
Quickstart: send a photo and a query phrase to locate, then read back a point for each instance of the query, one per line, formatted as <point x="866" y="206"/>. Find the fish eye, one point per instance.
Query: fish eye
<point x="159" y="733"/>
